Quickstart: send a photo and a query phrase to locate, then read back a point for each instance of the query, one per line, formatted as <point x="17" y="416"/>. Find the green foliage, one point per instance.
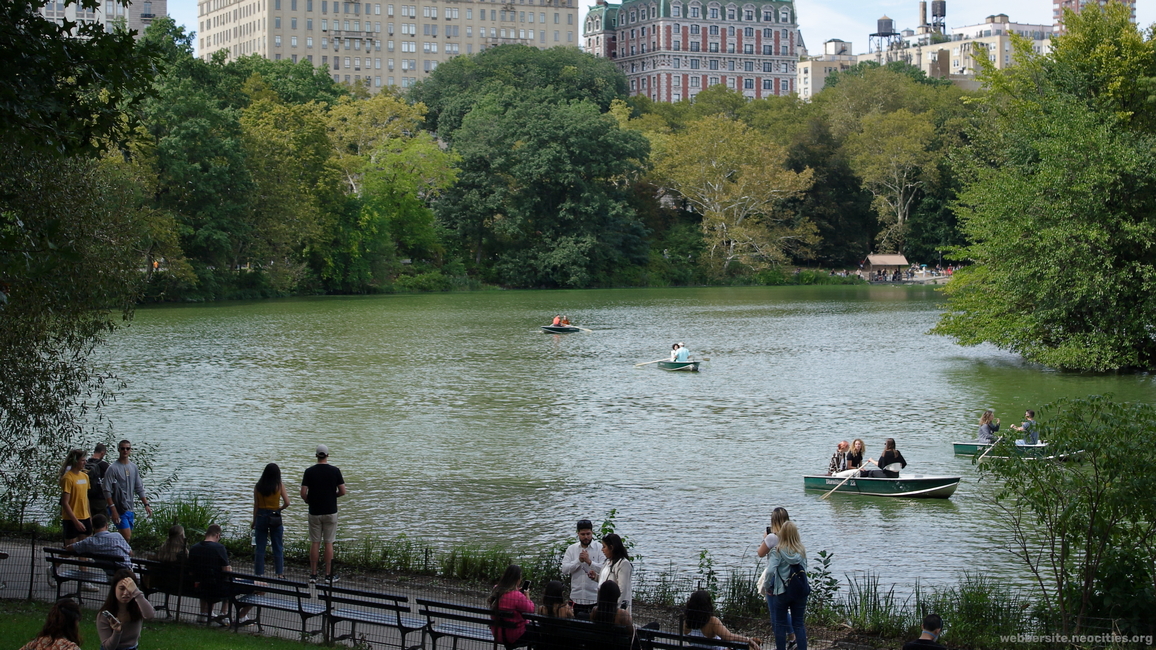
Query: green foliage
<point x="707" y="576"/>
<point x="563" y="74"/>
<point x="67" y="86"/>
<point x="194" y="512"/>
<point x="476" y="563"/>
<point x="1058" y="197"/>
<point x="1069" y="520"/>
<point x="540" y="191"/>
<point x="862" y="70"/>
<point x="821" y="604"/>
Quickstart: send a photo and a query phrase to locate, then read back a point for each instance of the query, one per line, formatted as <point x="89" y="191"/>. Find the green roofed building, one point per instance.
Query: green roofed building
<point x="672" y="49"/>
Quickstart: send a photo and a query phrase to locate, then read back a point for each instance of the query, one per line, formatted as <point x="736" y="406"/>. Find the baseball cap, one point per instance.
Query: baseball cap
<point x="322" y="451"/>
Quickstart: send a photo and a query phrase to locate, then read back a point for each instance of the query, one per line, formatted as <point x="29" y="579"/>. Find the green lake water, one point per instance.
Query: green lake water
<point x="455" y="419"/>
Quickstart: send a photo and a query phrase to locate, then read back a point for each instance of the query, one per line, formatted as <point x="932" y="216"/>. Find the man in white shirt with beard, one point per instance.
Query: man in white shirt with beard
<point x="583" y="562"/>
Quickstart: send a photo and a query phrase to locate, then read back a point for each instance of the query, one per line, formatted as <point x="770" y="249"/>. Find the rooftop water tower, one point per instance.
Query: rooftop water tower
<point x="885" y="36"/>
<point x="939" y="16"/>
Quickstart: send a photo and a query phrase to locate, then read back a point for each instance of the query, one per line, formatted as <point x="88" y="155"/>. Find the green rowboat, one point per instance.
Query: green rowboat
<point x="916" y="487"/>
<point x="686" y="366"/>
<point x="560" y="329"/>
<point x="978" y="448"/>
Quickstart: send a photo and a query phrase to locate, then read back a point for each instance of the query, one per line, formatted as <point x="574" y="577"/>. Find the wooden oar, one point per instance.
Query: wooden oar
<point x="845" y="480"/>
<point x="582" y="328"/>
<point x="988" y="449"/>
<point x="639" y="365"/>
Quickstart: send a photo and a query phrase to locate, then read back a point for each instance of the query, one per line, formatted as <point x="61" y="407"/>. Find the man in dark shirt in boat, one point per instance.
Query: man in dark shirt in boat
<point x="932" y="629"/>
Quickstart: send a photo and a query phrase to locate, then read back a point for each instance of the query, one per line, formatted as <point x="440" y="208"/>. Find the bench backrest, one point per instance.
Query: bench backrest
<point x="58" y="557"/>
<point x="439" y="611"/>
<point x="361" y="598"/>
<point x="656" y="640"/>
<point x="573" y="634"/>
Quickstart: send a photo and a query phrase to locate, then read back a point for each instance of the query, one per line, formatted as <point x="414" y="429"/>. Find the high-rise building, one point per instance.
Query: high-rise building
<point x="136" y="16"/>
<point x="670" y="50"/>
<point x="1058" y="7"/>
<point x="380" y="44"/>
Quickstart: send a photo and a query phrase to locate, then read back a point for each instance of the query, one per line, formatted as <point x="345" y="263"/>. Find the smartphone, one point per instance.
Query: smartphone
<point x="111" y="619"/>
<point x="525" y="585"/>
<point x="768" y="530"/>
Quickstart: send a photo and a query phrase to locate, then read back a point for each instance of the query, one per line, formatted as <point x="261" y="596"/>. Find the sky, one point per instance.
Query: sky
<point x="851" y="20"/>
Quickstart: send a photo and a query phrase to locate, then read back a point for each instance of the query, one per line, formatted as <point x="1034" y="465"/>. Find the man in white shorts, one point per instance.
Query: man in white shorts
<point x="320" y="487"/>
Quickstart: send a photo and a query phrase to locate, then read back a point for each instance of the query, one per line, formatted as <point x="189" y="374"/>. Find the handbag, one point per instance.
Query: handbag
<point x="275" y="519"/>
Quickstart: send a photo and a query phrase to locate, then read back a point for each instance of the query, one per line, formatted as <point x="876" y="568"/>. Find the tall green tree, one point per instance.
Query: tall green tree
<point x="458" y="85"/>
<point x="1059" y="204"/>
<point x="541" y="195"/>
<point x="737" y="179"/>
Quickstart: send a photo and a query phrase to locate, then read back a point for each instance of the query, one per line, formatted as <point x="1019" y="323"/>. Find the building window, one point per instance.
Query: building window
<point x="277" y="22"/>
<point x="676" y="11"/>
<point x="785" y="50"/>
<point x="767" y="50"/>
<point x="730" y="48"/>
<point x="677" y="63"/>
<point x="748" y="49"/>
<point x="713" y="47"/>
<point x="677" y="46"/>
<point x="749" y="15"/>
<point x="731" y="66"/>
<point x="767" y="84"/>
<point x="749" y="32"/>
<point x="712" y="81"/>
<point x="293" y="41"/>
<point x="277" y="41"/>
<point x="749" y="66"/>
<point x="695" y="81"/>
<point x="694" y="29"/>
<point x="785" y="16"/>
<point x="712" y="64"/>
<point x="694" y="64"/>
<point x="730" y="14"/>
<point x="714" y="13"/>
<point x="713" y="30"/>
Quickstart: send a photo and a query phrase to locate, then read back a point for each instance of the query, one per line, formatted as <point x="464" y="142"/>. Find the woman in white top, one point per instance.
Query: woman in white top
<point x="779" y="516"/>
<point x="617" y="568"/>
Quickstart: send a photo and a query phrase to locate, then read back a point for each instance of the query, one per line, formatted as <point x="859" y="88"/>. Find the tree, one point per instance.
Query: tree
<point x="67" y="85"/>
<point x="287" y="153"/>
<point x="358" y="127"/>
<point x="891" y="155"/>
<point x="542" y="191"/>
<point x="737" y="179"/>
<point x="457" y="85"/>
<point x="1070" y="521"/>
<point x="1059" y="205"/>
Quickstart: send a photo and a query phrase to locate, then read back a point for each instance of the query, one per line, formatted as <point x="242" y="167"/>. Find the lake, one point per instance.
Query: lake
<point x="455" y="419"/>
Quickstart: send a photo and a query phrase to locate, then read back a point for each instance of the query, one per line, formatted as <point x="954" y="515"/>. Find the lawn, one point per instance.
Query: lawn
<point x="20" y="621"/>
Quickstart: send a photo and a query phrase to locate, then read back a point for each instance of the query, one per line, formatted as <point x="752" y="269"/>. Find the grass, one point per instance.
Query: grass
<point x="21" y="621"/>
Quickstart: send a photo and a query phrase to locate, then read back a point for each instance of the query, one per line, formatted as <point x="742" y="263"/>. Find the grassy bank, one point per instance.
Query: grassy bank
<point x="21" y="621"/>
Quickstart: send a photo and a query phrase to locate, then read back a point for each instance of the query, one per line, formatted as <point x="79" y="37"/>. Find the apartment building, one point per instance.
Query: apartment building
<point x="1058" y="7"/>
<point x="380" y="44"/>
<point x="955" y="56"/>
<point x="837" y="56"/>
<point x="136" y="16"/>
<point x="672" y="49"/>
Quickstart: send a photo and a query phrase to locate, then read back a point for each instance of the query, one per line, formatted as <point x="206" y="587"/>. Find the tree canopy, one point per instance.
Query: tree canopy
<point x="1058" y="202"/>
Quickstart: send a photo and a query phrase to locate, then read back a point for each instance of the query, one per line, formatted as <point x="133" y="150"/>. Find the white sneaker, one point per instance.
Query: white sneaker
<point x="88" y="586"/>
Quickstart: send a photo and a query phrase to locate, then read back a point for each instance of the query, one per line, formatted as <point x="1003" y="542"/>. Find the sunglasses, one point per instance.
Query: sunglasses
<point x="126" y="448"/>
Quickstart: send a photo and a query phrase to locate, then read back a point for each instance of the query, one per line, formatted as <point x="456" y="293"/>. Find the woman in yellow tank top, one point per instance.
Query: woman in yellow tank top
<point x="268" y="496"/>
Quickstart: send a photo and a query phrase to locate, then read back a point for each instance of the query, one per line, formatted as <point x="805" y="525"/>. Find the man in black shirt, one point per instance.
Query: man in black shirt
<point x="209" y="562"/>
<point x="932" y="629"/>
<point x="320" y="487"/>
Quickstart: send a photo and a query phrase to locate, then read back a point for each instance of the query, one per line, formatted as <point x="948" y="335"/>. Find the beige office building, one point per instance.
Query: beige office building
<point x="137" y="16"/>
<point x="379" y="44"/>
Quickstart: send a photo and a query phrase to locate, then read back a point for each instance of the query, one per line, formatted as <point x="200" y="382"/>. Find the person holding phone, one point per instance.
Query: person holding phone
<point x="508" y="601"/>
<point x="123" y="613"/>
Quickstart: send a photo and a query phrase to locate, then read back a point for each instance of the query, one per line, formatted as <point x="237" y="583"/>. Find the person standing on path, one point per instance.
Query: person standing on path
<point x="121" y="483"/>
<point x="583" y="563"/>
<point x="320" y="487"/>
<point x="97" y="467"/>
<point x="74" y="514"/>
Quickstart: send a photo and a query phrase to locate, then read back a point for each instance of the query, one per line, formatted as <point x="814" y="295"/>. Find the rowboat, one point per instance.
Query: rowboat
<point x="915" y="487"/>
<point x="978" y="449"/>
<point x="560" y="329"/>
<point x="686" y="366"/>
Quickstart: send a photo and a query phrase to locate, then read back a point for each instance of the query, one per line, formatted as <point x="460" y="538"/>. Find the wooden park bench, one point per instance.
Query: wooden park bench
<point x="261" y="593"/>
<point x="65" y="567"/>
<point x="459" y="622"/>
<point x="343" y="604"/>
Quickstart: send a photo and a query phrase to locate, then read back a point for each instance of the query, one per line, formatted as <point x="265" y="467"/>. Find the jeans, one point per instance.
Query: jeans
<point x="791" y="614"/>
<point x="265" y="534"/>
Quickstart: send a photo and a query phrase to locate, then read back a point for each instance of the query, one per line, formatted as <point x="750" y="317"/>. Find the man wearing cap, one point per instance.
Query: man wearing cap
<point x="583" y="562"/>
<point x="320" y="487"/>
